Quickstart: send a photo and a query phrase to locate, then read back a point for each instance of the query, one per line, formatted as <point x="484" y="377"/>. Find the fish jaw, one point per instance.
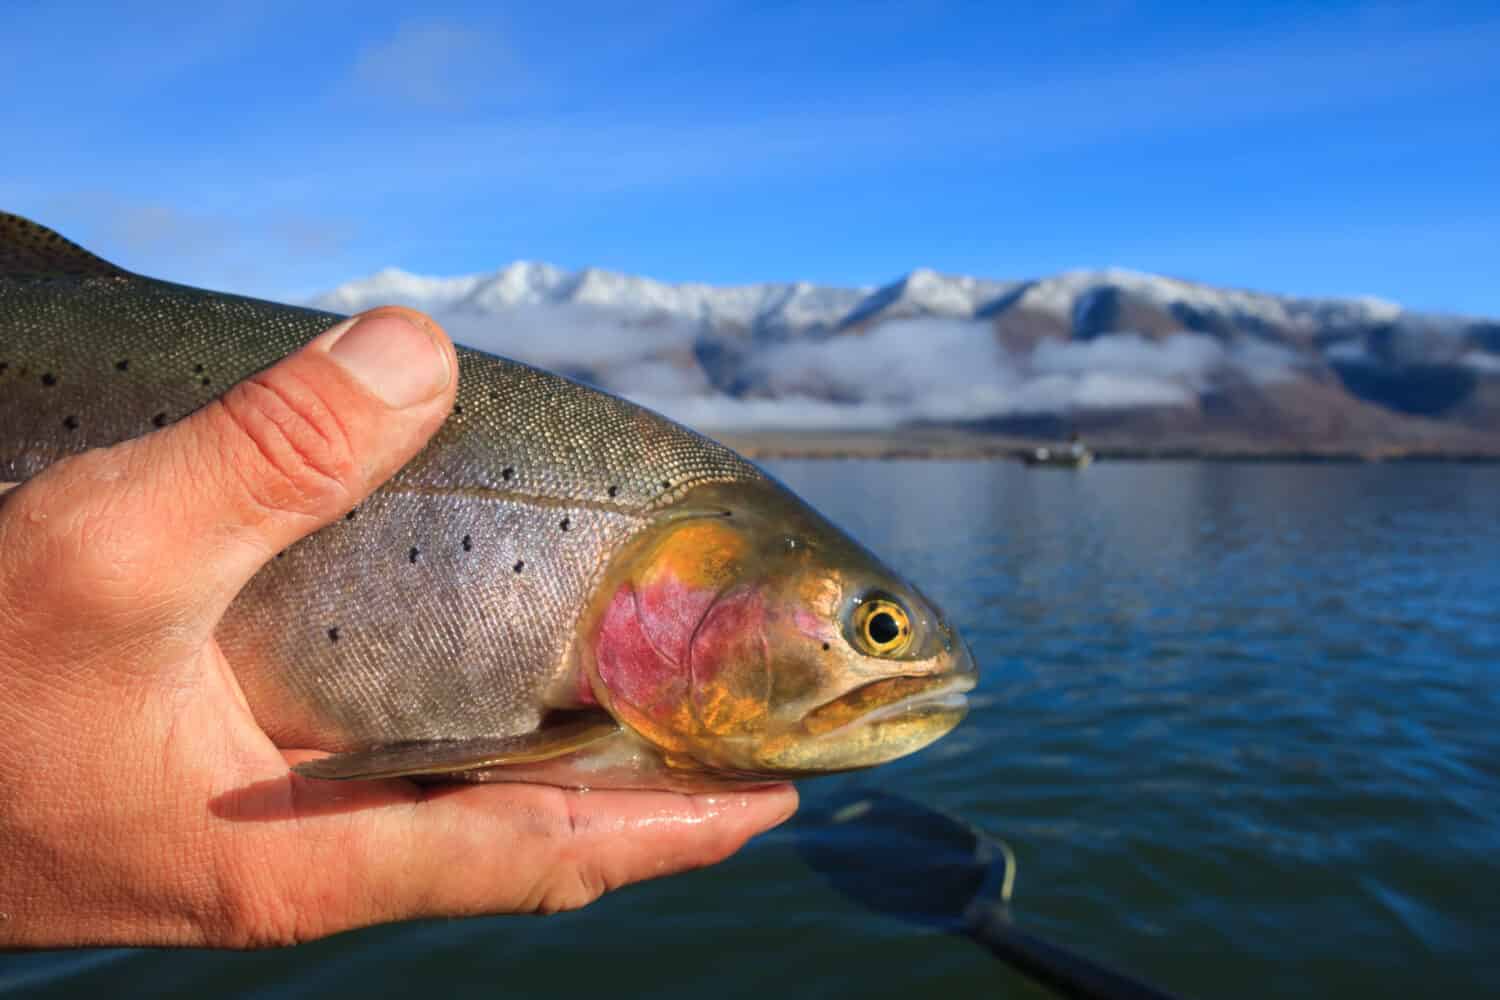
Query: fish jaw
<point x="872" y="725"/>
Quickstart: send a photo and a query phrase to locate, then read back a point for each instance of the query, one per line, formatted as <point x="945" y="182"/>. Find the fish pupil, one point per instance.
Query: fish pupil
<point x="883" y="627"/>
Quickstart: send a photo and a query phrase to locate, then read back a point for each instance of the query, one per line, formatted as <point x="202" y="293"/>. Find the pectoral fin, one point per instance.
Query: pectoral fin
<point x="436" y="757"/>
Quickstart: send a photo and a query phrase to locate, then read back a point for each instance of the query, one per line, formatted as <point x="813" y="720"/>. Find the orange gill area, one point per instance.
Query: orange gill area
<point x="670" y="644"/>
<point x="698" y="553"/>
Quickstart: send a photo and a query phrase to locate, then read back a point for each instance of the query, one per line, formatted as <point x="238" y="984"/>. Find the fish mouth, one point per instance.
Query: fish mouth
<point x="873" y="724"/>
<point x="892" y="698"/>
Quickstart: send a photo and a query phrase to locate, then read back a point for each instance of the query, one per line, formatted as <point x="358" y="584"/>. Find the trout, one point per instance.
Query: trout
<point x="561" y="587"/>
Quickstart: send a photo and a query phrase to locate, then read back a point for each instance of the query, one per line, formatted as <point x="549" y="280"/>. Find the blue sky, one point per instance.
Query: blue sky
<point x="281" y="148"/>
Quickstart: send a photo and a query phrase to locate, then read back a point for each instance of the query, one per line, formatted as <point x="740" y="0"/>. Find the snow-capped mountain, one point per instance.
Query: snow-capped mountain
<point x="801" y="306"/>
<point x="791" y="306"/>
<point x="1090" y="348"/>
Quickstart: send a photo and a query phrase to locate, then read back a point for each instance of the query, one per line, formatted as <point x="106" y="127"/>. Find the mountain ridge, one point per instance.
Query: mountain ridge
<point x="526" y="282"/>
<point x="1110" y="350"/>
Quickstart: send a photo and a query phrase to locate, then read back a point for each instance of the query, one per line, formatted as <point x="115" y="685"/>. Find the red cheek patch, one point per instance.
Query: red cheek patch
<point x="631" y="666"/>
<point x="669" y="613"/>
<point x="731" y="664"/>
<point x="642" y="647"/>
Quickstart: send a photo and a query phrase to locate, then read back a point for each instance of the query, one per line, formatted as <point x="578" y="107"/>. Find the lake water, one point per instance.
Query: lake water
<point x="1241" y="724"/>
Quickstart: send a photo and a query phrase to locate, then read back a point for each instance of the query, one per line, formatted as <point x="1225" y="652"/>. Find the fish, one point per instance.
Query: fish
<point x="561" y="587"/>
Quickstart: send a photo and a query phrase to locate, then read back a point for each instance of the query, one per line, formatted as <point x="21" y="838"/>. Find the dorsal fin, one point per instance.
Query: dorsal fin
<point x="28" y="250"/>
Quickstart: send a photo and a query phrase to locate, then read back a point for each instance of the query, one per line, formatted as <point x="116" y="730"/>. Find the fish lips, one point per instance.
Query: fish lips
<point x="875" y="723"/>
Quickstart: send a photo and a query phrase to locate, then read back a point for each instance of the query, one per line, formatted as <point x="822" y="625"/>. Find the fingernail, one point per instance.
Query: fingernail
<point x="395" y="358"/>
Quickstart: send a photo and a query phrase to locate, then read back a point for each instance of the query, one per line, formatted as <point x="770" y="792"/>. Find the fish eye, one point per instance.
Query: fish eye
<point x="882" y="626"/>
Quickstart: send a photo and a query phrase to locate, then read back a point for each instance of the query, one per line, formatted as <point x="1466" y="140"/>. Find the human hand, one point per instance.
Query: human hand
<point x="140" y="803"/>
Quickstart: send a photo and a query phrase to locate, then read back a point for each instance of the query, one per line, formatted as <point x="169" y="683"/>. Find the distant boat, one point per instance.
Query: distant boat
<point x="1059" y="458"/>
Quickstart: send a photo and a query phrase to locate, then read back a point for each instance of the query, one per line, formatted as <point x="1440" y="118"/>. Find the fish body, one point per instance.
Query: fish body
<point x="562" y="586"/>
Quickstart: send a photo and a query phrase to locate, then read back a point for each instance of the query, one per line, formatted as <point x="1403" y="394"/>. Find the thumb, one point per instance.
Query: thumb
<point x="180" y="519"/>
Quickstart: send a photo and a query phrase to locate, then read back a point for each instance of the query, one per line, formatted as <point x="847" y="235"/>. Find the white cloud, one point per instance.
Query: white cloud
<point x="658" y="379"/>
<point x="904" y="371"/>
<point x="213" y="249"/>
<point x="1098" y="390"/>
<point x="436" y="64"/>
<point x="718" y="412"/>
<point x="1263" y="361"/>
<point x="1482" y="361"/>
<point x="1348" y="352"/>
<point x="897" y="362"/>
<point x="569" y="336"/>
<point x="1185" y="356"/>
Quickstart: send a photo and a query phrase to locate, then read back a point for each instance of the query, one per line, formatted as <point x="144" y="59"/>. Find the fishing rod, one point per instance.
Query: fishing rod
<point x="951" y="875"/>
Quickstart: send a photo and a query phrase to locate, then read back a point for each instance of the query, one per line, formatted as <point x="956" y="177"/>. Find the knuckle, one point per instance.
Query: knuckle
<point x="297" y="454"/>
<point x="590" y="883"/>
<point x="578" y="875"/>
<point x="561" y="895"/>
<point x="574" y="884"/>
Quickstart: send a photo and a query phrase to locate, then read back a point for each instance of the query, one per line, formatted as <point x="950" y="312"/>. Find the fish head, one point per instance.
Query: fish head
<point x="743" y="634"/>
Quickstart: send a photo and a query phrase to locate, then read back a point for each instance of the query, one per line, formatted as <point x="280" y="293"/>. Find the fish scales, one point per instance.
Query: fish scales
<point x="91" y="355"/>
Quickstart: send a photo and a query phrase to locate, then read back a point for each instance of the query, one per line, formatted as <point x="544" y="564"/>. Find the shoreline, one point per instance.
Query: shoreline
<point x="955" y="445"/>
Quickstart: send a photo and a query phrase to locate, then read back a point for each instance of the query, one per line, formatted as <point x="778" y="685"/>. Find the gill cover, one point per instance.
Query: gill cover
<point x="682" y="656"/>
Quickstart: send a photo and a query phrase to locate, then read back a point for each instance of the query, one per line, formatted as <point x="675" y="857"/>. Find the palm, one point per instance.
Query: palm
<point x="332" y="840"/>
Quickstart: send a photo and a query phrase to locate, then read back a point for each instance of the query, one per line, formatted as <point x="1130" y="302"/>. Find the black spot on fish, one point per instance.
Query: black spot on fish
<point x="4" y="365"/>
<point x="205" y="380"/>
<point x="160" y="420"/>
<point x="613" y="491"/>
<point x="197" y="369"/>
<point x="350" y="516"/>
<point x="666" y="484"/>
<point x="333" y="634"/>
<point x="412" y="555"/>
<point x="458" y="409"/>
<point x="122" y="365"/>
<point x="49" y="379"/>
<point x="825" y="647"/>
<point x="70" y="422"/>
<point x="506" y="473"/>
<point x="468" y="544"/>
<point x="281" y="553"/>
<point x="564" y="523"/>
<point x="520" y="565"/>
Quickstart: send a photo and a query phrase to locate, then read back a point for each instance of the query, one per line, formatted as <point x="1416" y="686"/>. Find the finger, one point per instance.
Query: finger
<point x="574" y="845"/>
<point x="469" y="850"/>
<point x="186" y="515"/>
